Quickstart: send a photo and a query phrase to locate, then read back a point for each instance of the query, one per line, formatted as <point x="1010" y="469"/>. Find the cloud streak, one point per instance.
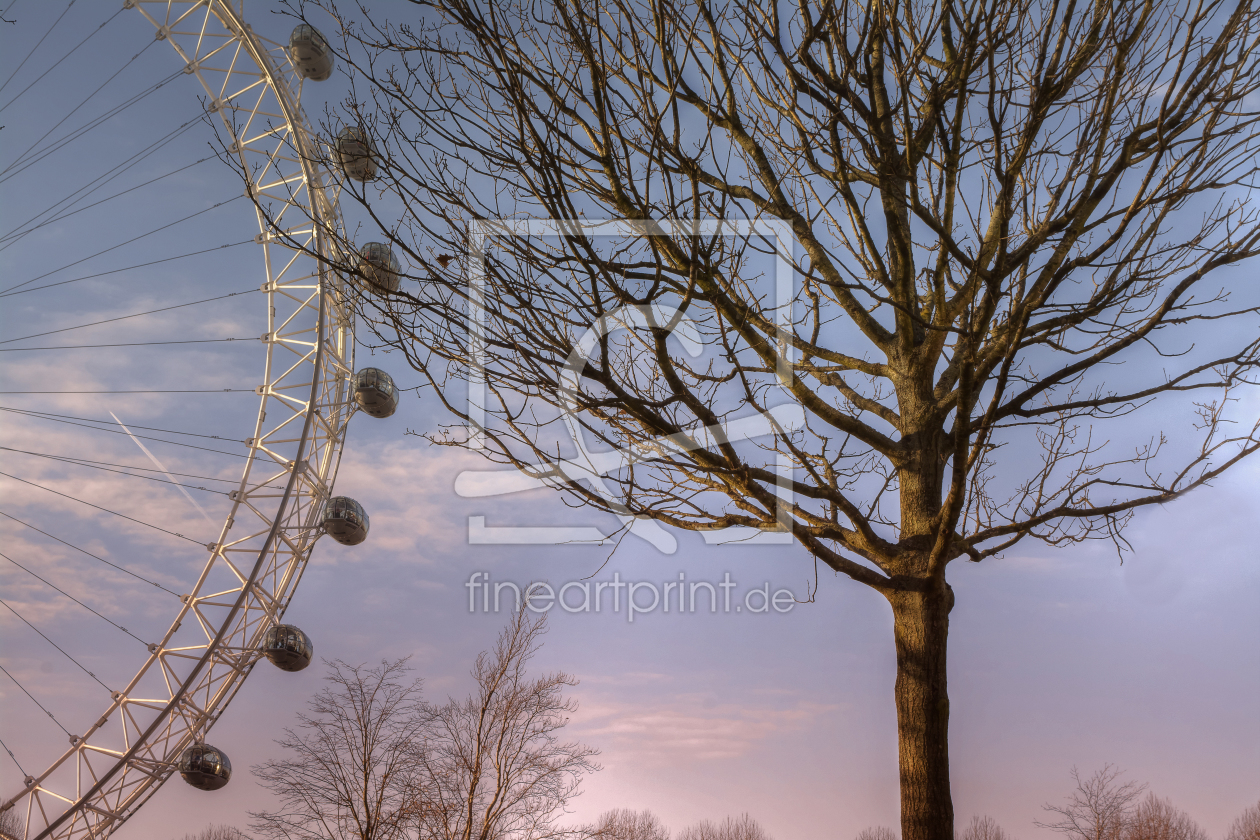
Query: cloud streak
<point x="160" y="466"/>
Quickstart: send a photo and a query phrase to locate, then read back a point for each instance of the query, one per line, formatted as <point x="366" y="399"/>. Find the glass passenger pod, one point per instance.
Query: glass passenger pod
<point x="287" y="647"/>
<point x="375" y="392"/>
<point x="380" y="267"/>
<point x="345" y="520"/>
<point x="310" y="53"/>
<point x="354" y="154"/>
<point x="205" y="767"/>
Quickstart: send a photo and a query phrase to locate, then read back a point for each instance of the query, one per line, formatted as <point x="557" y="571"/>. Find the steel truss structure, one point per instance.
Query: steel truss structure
<point x="305" y="403"/>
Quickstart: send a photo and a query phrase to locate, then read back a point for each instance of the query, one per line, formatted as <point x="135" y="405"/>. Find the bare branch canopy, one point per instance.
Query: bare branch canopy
<point x="1020" y="303"/>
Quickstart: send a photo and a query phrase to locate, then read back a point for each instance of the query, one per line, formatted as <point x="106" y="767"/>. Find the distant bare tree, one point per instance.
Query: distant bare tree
<point x="352" y="774"/>
<point x="877" y="832"/>
<point x="1101" y="807"/>
<point x="11" y="829"/>
<point x="1159" y="819"/>
<point x="1247" y="826"/>
<point x="1012" y="228"/>
<point x="493" y="766"/>
<point x="624" y="824"/>
<point x="10" y="825"/>
<point x="218" y="832"/>
<point x="743" y="827"/>
<point x="983" y="828"/>
<point x="375" y="762"/>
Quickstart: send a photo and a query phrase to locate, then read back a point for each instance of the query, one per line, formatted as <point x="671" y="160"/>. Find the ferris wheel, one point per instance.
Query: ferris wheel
<point x="231" y="613"/>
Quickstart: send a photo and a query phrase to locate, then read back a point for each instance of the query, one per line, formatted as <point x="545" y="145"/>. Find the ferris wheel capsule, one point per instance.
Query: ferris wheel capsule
<point x="380" y="267"/>
<point x="345" y="520"/>
<point x="375" y="392"/>
<point x="205" y="767"/>
<point x="310" y="53"/>
<point x="287" y="647"/>
<point x="354" y="154"/>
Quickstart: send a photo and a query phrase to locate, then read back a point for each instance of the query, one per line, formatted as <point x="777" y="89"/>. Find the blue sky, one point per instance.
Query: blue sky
<point x="1059" y="657"/>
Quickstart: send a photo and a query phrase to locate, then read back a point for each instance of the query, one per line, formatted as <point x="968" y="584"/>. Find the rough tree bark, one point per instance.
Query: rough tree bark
<point x="921" y="631"/>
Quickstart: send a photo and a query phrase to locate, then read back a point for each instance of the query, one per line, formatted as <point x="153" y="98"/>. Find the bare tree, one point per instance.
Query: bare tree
<point x="352" y="773"/>
<point x="1247" y="826"/>
<point x="984" y="828"/>
<point x="625" y="824"/>
<point x="218" y="832"/>
<point x="878" y="832"/>
<point x="1010" y="227"/>
<point x="375" y="762"/>
<point x="1159" y="819"/>
<point x="10" y="825"/>
<point x="743" y="827"/>
<point x="493" y="765"/>
<point x="1101" y="807"/>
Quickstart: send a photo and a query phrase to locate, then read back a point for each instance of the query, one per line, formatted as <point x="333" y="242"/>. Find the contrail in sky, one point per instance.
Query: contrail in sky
<point x="154" y="459"/>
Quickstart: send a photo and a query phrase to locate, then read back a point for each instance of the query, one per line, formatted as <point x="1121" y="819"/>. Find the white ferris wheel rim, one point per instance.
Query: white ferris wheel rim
<point x="278" y="159"/>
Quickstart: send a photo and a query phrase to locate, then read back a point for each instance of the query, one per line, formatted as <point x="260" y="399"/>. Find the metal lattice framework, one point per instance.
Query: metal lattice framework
<point x="194" y="671"/>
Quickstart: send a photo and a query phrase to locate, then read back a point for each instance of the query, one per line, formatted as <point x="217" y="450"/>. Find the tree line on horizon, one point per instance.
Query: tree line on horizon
<point x="374" y="761"/>
<point x="1100" y="809"/>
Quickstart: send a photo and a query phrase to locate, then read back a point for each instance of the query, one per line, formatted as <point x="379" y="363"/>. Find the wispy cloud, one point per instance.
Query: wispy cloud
<point x="688" y="727"/>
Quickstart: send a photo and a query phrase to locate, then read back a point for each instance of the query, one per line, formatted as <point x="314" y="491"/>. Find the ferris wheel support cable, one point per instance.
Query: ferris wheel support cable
<point x="21" y="230"/>
<point x="56" y="418"/>
<point x="120" y="244"/>
<point x="86" y="99"/>
<point x="90" y="554"/>
<point x="64" y="417"/>
<point x="126" y="317"/>
<point x="36" y="702"/>
<point x="95" y="122"/>
<point x="96" y="466"/>
<point x="63" y="58"/>
<point x="128" y="344"/>
<point x="145" y="391"/>
<point x="70" y="459"/>
<point x="85" y="190"/>
<point x="129" y="268"/>
<point x="54" y="644"/>
<point x="12" y="756"/>
<point x="98" y="507"/>
<point x="72" y="598"/>
<point x="34" y="48"/>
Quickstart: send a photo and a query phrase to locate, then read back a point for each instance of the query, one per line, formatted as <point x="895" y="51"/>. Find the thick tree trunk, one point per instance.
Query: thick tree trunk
<point x="921" y="626"/>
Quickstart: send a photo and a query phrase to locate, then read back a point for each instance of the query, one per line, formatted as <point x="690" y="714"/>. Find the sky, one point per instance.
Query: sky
<point x="1059" y="658"/>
